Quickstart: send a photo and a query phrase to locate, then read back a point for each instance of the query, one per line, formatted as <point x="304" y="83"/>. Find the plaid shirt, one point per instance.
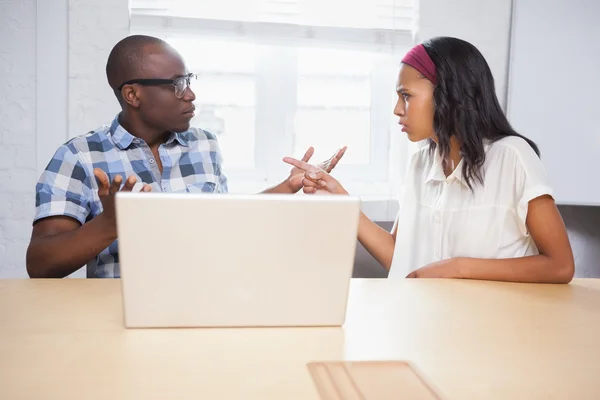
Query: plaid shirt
<point x="191" y="163"/>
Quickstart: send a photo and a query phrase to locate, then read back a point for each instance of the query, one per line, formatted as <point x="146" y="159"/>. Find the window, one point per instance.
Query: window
<point x="226" y="94"/>
<point x="277" y="76"/>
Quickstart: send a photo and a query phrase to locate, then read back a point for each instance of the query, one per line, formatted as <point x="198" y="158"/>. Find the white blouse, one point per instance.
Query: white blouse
<point x="440" y="218"/>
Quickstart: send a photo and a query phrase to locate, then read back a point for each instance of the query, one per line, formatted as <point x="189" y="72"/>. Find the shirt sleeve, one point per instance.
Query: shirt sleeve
<point x="217" y="158"/>
<point x="399" y="203"/>
<point x="222" y="177"/>
<point x="63" y="188"/>
<point x="531" y="181"/>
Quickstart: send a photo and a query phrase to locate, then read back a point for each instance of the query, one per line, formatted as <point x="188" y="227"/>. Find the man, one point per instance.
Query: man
<point x="149" y="146"/>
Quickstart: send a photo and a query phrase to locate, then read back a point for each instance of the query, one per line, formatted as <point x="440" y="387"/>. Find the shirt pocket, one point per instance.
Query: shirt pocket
<point x="208" y="185"/>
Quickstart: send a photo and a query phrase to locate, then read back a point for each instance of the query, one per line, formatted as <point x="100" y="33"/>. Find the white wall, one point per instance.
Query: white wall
<point x="94" y="28"/>
<point x="564" y="126"/>
<point x="17" y="131"/>
<point x="484" y="23"/>
<point x="52" y="87"/>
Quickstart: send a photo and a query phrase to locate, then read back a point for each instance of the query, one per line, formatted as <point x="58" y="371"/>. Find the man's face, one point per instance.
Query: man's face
<point x="158" y="105"/>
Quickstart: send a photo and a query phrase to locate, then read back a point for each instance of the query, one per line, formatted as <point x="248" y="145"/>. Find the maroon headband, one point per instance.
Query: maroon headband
<point x="418" y="58"/>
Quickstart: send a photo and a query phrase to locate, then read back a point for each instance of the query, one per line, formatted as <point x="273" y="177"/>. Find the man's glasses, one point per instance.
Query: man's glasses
<point x="180" y="84"/>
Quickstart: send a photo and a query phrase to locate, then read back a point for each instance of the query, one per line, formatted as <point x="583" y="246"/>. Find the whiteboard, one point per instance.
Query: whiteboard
<point x="554" y="91"/>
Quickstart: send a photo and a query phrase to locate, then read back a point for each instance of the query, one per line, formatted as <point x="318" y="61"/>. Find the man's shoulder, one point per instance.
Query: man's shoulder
<point x="78" y="148"/>
<point x="96" y="139"/>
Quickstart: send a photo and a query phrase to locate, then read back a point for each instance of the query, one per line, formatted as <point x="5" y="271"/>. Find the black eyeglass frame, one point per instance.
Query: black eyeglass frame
<point x="157" y="82"/>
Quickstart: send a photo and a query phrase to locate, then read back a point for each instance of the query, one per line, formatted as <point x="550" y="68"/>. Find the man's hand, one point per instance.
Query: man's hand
<point x="107" y="192"/>
<point x="297" y="173"/>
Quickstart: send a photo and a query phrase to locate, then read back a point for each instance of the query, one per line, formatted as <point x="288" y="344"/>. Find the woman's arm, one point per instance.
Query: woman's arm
<point x="554" y="264"/>
<point x="376" y="240"/>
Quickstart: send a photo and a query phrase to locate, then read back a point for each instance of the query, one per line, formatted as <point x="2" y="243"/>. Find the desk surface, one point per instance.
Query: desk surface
<point x="62" y="339"/>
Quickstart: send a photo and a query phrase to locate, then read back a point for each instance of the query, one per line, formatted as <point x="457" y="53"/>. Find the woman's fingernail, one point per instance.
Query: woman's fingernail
<point x="323" y="183"/>
<point x="313" y="175"/>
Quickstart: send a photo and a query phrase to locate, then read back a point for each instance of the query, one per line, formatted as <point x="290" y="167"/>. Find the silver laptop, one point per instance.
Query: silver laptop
<point x="212" y="260"/>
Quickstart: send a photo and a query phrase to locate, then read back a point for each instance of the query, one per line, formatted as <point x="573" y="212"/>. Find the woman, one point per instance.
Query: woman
<point x="476" y="203"/>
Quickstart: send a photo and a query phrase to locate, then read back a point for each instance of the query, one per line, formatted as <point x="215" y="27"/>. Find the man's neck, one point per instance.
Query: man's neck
<point x="151" y="136"/>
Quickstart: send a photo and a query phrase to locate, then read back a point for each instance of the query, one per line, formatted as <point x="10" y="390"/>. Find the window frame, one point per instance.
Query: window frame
<point x="274" y="117"/>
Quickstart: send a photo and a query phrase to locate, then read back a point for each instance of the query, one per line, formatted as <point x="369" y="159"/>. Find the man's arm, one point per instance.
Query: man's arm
<point x="282" y="188"/>
<point x="61" y="245"/>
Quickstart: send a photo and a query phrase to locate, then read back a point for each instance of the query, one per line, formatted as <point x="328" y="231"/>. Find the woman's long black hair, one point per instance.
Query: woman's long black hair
<point x="466" y="104"/>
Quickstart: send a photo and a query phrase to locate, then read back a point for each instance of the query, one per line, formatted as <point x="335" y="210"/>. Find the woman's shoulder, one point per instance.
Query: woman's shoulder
<point x="511" y="146"/>
<point x="513" y="153"/>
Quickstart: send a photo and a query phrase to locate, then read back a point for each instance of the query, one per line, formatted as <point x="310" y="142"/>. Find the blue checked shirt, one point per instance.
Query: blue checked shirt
<point x="191" y="163"/>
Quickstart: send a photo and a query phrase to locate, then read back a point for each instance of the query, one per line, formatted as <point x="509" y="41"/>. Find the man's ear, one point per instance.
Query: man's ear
<point x="130" y="96"/>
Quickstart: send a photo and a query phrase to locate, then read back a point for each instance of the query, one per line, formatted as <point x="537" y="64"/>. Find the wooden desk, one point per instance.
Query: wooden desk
<point x="63" y="339"/>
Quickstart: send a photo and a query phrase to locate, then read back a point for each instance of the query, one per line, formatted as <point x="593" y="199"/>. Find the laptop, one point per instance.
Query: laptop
<point x="218" y="260"/>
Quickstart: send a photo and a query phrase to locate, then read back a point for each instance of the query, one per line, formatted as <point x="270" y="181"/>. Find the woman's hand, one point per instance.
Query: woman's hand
<point x="315" y="179"/>
<point x="294" y="180"/>
<point x="441" y="269"/>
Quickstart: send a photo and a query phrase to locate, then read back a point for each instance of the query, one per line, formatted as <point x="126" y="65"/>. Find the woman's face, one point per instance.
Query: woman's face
<point x="415" y="104"/>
